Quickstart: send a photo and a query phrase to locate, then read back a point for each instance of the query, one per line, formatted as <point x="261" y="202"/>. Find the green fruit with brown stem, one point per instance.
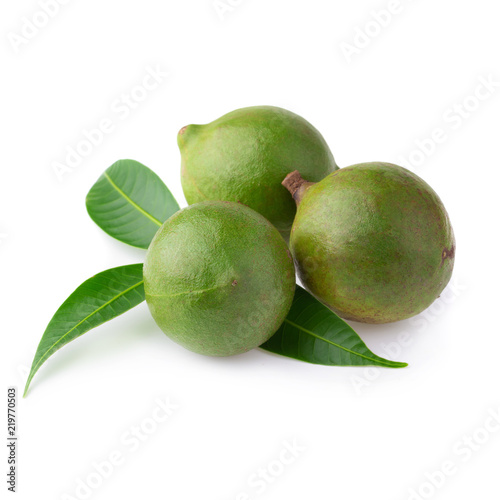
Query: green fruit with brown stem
<point x="372" y="241"/>
<point x="244" y="155"/>
<point x="219" y="279"/>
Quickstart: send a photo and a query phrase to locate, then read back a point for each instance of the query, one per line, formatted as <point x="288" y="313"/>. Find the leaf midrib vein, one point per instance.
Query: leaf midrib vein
<point x="116" y="297"/>
<point x="337" y="345"/>
<point x="132" y="202"/>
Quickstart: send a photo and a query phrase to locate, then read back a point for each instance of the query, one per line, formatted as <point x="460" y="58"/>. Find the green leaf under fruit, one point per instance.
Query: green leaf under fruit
<point x="311" y="332"/>
<point x="130" y="202"/>
<point x="97" y="300"/>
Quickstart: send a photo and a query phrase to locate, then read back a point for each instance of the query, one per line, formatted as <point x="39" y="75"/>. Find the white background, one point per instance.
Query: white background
<point x="373" y="433"/>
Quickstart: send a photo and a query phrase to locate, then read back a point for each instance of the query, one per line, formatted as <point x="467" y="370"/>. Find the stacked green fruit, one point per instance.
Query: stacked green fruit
<point x="245" y="155"/>
<point x="219" y="279"/>
<point x="372" y="241"/>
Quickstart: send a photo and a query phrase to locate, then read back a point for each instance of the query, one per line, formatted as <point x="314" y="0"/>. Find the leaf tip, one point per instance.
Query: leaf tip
<point x="400" y="364"/>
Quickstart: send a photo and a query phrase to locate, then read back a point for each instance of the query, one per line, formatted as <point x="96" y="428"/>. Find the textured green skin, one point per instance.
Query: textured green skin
<point x="244" y="155"/>
<point x="219" y="279"/>
<point x="373" y="242"/>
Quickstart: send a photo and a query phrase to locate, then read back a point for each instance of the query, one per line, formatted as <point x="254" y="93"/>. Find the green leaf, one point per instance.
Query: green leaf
<point x="311" y="332"/>
<point x="97" y="300"/>
<point x="130" y="202"/>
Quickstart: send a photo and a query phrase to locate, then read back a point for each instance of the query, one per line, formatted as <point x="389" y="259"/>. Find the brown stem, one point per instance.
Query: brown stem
<point x="296" y="185"/>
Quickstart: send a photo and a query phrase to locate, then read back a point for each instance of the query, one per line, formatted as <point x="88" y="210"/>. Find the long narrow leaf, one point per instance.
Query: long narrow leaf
<point x="97" y="300"/>
<point x="311" y="332"/>
<point x="130" y="202"/>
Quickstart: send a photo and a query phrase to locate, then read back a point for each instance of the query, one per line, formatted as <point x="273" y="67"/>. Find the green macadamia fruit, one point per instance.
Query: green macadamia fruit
<point x="219" y="279"/>
<point x="372" y="241"/>
<point x="244" y="155"/>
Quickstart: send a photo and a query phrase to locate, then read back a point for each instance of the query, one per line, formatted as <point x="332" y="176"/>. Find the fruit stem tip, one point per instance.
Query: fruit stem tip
<point x="296" y="185"/>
